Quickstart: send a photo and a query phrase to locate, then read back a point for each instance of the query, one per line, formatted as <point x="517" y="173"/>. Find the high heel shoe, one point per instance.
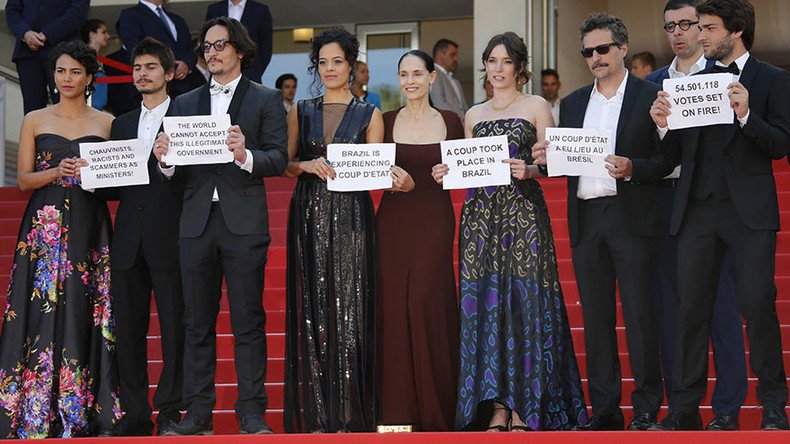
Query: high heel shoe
<point x="499" y="427"/>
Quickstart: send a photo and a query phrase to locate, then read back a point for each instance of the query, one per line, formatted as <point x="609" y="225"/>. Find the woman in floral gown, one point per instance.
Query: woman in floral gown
<point x="57" y="374"/>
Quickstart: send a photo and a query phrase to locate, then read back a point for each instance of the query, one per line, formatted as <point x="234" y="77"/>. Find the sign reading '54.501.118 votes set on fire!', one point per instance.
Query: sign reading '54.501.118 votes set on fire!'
<point x="475" y="162"/>
<point x="360" y="167"/>
<point x="699" y="100"/>
<point x="197" y="140"/>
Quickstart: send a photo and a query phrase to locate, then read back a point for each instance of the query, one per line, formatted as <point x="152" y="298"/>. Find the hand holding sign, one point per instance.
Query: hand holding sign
<point x="198" y="140"/>
<point x="699" y="100"/>
<point x="739" y="99"/>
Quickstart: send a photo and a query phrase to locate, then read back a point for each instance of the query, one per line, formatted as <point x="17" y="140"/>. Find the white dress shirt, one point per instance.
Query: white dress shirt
<point x="236" y="11"/>
<point x="555" y="111"/>
<point x="150" y="122"/>
<point x="602" y="113"/>
<point x="170" y="23"/>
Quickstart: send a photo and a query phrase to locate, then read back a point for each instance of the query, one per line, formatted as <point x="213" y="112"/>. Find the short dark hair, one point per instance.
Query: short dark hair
<point x="549" y="72"/>
<point x="83" y="54"/>
<point x="151" y="46"/>
<point x="603" y="20"/>
<point x="737" y="15"/>
<point x="280" y="80"/>
<point x="90" y="25"/>
<point x="516" y="50"/>
<point x="422" y="55"/>
<point x="646" y="57"/>
<point x="237" y="36"/>
<point x="673" y="5"/>
<point x="347" y="41"/>
<point x="442" y="45"/>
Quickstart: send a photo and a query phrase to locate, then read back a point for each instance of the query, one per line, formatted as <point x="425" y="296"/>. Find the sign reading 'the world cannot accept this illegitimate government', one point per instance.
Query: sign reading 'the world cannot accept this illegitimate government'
<point x="578" y="152"/>
<point x="197" y="140"/>
<point x="699" y="100"/>
<point x="360" y="167"/>
<point x="476" y="162"/>
<point x="114" y="163"/>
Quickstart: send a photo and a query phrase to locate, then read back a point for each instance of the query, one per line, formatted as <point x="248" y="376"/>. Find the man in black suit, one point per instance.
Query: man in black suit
<point x="613" y="225"/>
<point x="148" y="18"/>
<point x="680" y="24"/>
<point x="726" y="200"/>
<point x="225" y="229"/>
<point x="38" y="26"/>
<point x="145" y="257"/>
<point x="258" y="21"/>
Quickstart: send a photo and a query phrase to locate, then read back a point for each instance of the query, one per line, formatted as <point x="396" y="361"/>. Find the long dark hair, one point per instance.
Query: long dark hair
<point x="83" y="54"/>
<point x="516" y="50"/>
<point x="348" y="43"/>
<point x="237" y="36"/>
<point x="426" y="60"/>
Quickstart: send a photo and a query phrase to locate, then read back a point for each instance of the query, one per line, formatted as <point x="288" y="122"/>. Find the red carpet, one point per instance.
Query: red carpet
<point x="12" y="204"/>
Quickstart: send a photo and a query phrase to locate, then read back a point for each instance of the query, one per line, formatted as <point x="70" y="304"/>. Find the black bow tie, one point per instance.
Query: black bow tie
<point x="733" y="69"/>
<point x="216" y="88"/>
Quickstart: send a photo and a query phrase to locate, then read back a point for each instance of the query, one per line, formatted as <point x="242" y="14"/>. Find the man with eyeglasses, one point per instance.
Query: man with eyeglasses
<point x="224" y="228"/>
<point x="726" y="200"/>
<point x="613" y="224"/>
<point x="682" y="27"/>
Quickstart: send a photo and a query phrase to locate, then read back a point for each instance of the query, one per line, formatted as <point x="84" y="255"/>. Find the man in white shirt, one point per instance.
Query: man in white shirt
<point x="145" y="257"/>
<point x="550" y="86"/>
<point x="613" y="223"/>
<point x="224" y="230"/>
<point x="446" y="91"/>
<point x="682" y="27"/>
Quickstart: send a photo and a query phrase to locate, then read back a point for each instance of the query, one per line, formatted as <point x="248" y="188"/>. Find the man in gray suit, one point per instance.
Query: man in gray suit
<point x="446" y="92"/>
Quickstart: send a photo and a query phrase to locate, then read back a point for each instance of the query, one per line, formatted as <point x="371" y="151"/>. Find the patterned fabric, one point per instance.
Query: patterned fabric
<point x="516" y="346"/>
<point x="57" y="367"/>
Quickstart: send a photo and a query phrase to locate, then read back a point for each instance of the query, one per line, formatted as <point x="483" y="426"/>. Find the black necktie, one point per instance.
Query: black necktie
<point x="733" y="69"/>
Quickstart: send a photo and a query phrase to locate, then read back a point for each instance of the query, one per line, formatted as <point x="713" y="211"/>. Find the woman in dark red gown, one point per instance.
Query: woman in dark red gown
<point x="417" y="306"/>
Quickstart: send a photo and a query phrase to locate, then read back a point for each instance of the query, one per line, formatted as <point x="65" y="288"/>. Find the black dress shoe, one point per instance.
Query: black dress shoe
<point x="680" y="421"/>
<point x="166" y="421"/>
<point x="642" y="421"/>
<point x="253" y="424"/>
<point x="193" y="425"/>
<point x="723" y="422"/>
<point x="603" y="422"/>
<point x="129" y="426"/>
<point x="774" y="418"/>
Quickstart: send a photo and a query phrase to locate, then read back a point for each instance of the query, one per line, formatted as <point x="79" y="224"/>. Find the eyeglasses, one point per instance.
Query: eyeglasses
<point x="600" y="49"/>
<point x="683" y="24"/>
<point x="219" y="45"/>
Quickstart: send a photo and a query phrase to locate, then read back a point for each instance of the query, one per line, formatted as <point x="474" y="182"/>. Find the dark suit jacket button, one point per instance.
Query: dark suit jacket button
<point x="140" y="208"/>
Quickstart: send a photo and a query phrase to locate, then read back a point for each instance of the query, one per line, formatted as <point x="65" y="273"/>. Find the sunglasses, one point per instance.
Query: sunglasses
<point x="219" y="45"/>
<point x="600" y="49"/>
<point x="684" y="25"/>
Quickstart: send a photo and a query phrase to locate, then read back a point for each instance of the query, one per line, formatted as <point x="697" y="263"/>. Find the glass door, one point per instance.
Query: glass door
<point x="380" y="47"/>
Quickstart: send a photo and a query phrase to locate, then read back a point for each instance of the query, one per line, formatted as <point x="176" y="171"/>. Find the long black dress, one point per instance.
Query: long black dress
<point x="57" y="370"/>
<point x="330" y="324"/>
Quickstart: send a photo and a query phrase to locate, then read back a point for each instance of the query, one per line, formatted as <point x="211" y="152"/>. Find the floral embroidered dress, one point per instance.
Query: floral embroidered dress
<point x="57" y="366"/>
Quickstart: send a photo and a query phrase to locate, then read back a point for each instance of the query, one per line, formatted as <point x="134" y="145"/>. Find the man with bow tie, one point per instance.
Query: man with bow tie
<point x="726" y="201"/>
<point x="224" y="228"/>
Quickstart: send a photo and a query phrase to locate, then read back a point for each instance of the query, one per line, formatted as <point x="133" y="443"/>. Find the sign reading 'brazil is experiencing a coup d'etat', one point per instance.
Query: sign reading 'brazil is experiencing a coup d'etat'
<point x="475" y="162"/>
<point x="699" y="100"/>
<point x="197" y="140"/>
<point x="360" y="167"/>
<point x="114" y="163"/>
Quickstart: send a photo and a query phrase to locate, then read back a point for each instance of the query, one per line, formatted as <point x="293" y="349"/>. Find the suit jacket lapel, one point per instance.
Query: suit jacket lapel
<point x="632" y="88"/>
<point x="245" y="15"/>
<point x="577" y="118"/>
<point x="204" y="101"/>
<point x="155" y="17"/>
<point x="238" y="98"/>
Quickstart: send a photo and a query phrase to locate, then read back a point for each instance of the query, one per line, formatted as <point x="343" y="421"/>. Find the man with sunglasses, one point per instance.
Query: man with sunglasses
<point x="613" y="225"/>
<point x="224" y="228"/>
<point x="726" y="200"/>
<point x="681" y="25"/>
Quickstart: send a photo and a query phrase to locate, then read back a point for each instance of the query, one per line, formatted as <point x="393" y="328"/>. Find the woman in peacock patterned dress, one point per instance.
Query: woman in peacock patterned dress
<point x="57" y="368"/>
<point x="518" y="369"/>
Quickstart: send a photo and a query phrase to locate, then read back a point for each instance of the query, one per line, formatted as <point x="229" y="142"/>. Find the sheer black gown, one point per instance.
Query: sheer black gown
<point x="57" y="369"/>
<point x="330" y="325"/>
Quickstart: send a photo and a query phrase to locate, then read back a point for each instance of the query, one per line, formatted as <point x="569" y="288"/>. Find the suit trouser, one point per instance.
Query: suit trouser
<point x="204" y="261"/>
<point x="35" y="81"/>
<point x="711" y="227"/>
<point x="131" y="303"/>
<point x="606" y="256"/>
<point x="726" y="327"/>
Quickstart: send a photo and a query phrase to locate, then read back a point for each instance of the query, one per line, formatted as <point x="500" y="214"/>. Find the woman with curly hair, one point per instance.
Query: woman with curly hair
<point x="330" y="338"/>
<point x="57" y="367"/>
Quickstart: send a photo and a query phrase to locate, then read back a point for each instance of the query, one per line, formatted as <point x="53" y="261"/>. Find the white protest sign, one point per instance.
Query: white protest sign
<point x="476" y="162"/>
<point x="114" y="163"/>
<point x="699" y="100"/>
<point x="197" y="140"/>
<point x="578" y="152"/>
<point x="360" y="167"/>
